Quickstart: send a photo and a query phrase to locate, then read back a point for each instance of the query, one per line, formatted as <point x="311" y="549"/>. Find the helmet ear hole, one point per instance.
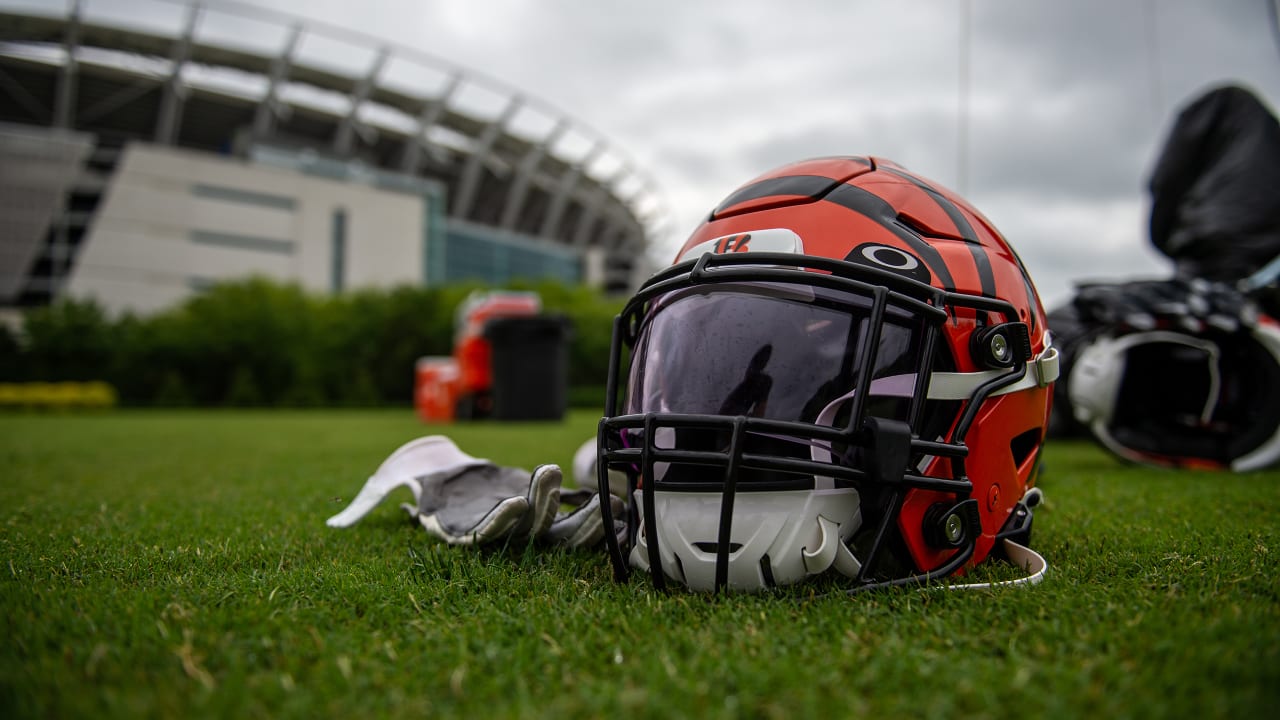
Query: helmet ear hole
<point x="1023" y="445"/>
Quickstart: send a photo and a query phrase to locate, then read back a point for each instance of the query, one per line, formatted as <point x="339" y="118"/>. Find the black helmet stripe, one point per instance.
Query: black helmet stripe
<point x="811" y="186"/>
<point x="1033" y="298"/>
<point x="878" y="209"/>
<point x="981" y="261"/>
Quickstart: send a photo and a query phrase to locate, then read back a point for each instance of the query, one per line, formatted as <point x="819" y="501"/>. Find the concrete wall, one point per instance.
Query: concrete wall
<point x="37" y="169"/>
<point x="174" y="221"/>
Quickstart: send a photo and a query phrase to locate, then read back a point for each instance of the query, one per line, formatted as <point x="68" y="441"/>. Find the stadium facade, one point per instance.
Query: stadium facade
<point x="152" y="148"/>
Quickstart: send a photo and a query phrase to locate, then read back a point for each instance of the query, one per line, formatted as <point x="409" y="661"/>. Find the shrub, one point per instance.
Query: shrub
<point x="260" y="342"/>
<point x="94" y="395"/>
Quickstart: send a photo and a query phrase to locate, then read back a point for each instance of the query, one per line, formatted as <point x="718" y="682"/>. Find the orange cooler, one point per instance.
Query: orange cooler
<point x="435" y="388"/>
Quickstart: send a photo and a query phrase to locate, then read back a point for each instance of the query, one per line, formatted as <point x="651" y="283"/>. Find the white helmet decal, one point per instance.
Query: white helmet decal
<point x="780" y="240"/>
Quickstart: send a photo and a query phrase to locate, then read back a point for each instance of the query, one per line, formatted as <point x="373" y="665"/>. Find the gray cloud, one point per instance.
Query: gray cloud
<point x="1068" y="102"/>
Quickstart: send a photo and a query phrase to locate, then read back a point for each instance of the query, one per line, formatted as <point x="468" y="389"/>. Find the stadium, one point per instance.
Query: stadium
<point x="147" y="153"/>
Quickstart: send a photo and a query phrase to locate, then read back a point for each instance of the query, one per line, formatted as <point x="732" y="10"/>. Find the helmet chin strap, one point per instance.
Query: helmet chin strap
<point x="1031" y="562"/>
<point x="1041" y="370"/>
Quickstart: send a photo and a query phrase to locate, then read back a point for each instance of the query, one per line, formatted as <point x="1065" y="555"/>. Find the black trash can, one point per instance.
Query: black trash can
<point x="530" y="366"/>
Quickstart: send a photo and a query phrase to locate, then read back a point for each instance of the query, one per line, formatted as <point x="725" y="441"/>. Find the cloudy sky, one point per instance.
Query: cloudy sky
<point x="1051" y="131"/>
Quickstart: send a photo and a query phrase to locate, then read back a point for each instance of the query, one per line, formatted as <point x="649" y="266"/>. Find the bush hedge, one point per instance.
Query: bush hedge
<point x="262" y="343"/>
<point x="95" y="395"/>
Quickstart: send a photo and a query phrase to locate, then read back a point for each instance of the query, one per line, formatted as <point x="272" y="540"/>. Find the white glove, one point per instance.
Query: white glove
<point x="465" y="500"/>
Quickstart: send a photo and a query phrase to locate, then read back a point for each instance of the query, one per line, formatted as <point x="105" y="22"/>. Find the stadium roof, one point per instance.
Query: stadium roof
<point x="225" y="77"/>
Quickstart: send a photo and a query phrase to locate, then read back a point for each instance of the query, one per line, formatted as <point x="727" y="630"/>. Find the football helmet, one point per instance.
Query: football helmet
<point x="1173" y="373"/>
<point x="846" y="369"/>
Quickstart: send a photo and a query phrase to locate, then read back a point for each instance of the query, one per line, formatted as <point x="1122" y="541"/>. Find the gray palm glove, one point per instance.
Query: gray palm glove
<point x="488" y="502"/>
<point x="465" y="500"/>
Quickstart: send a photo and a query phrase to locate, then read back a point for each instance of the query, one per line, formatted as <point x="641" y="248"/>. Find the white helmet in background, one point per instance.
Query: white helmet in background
<point x="1167" y="397"/>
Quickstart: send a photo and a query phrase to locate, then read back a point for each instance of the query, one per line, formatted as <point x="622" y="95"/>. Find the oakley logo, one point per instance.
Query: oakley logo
<point x="887" y="257"/>
<point x="890" y="257"/>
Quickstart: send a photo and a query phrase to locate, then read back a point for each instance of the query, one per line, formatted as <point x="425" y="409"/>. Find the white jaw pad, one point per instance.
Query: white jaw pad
<point x="787" y="526"/>
<point x="409" y="466"/>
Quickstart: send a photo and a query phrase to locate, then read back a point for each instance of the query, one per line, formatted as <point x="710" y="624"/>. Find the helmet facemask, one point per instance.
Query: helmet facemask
<point x="778" y="404"/>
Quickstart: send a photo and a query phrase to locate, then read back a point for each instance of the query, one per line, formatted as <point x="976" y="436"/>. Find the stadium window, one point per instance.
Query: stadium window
<point x="338" y="247"/>
<point x="242" y="242"/>
<point x="243" y="197"/>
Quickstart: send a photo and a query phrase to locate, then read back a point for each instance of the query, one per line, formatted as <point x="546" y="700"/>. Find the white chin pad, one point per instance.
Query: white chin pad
<point x="801" y="532"/>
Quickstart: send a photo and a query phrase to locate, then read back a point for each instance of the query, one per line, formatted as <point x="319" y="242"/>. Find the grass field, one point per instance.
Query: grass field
<point x="177" y="564"/>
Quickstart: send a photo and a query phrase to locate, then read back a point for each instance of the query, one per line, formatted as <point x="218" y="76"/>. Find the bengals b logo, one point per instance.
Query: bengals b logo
<point x="733" y="243"/>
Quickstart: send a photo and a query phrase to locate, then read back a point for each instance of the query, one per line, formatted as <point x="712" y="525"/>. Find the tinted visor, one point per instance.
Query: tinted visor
<point x="779" y="352"/>
<point x="770" y="351"/>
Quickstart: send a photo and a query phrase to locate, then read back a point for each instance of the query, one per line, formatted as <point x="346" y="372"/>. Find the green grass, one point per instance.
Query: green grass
<point x="177" y="564"/>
